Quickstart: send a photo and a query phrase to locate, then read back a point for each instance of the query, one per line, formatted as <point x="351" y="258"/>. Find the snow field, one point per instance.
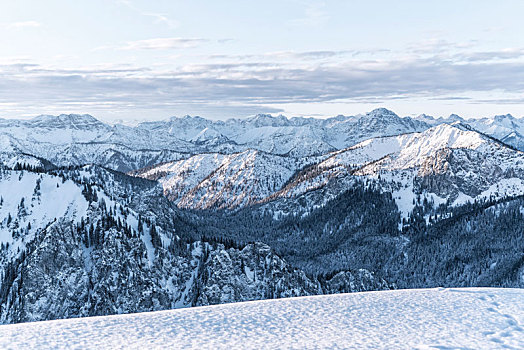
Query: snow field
<point x="465" y="318"/>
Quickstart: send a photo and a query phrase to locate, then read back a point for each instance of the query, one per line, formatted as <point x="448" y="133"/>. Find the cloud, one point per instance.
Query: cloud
<point x="450" y="98"/>
<point x="314" y="15"/>
<point x="246" y="86"/>
<point x="162" y="18"/>
<point x="432" y="45"/>
<point x="287" y="55"/>
<point x="21" y="25"/>
<point x="506" y="54"/>
<point x="501" y="101"/>
<point x="225" y="41"/>
<point x="164" y="44"/>
<point x="158" y="17"/>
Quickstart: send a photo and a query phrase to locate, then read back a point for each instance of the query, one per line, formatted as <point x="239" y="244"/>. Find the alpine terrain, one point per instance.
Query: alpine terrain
<point x="99" y="219"/>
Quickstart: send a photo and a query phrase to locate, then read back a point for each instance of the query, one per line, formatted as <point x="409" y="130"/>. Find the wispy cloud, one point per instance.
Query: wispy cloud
<point x="287" y="55"/>
<point x="501" y="101"/>
<point x="158" y="17"/>
<point x="500" y="55"/>
<point x="314" y="15"/>
<point x="162" y="18"/>
<point x="164" y="43"/>
<point x="450" y="98"/>
<point x="21" y="25"/>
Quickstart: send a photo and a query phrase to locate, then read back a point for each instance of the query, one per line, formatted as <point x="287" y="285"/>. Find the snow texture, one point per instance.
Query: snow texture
<point x="457" y="318"/>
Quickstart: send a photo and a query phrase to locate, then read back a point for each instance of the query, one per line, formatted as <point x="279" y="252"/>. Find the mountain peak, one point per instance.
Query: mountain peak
<point x="77" y="121"/>
<point x="503" y="117"/>
<point x="186" y="118"/>
<point x="454" y="118"/>
<point x="260" y="120"/>
<point x="381" y="112"/>
<point x="208" y="134"/>
<point x="65" y="117"/>
<point x="456" y="135"/>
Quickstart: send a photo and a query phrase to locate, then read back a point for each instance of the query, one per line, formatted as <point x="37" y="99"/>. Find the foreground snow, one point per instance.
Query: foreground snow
<point x="423" y="319"/>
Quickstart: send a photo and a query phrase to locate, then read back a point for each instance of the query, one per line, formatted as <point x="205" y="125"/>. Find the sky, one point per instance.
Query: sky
<point x="124" y="60"/>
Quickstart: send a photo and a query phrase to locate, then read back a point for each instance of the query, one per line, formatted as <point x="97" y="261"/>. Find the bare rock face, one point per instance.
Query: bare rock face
<point x="252" y="273"/>
<point x="453" y="171"/>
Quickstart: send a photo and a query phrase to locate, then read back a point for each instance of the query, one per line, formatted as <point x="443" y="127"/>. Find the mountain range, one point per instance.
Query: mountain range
<point x="445" y="163"/>
<point x="99" y="219"/>
<point x="82" y="139"/>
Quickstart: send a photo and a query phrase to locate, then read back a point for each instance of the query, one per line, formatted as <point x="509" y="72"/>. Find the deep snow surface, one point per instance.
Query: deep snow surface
<point x="487" y="318"/>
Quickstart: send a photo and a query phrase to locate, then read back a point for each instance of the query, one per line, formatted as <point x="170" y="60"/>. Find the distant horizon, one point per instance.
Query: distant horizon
<point x="132" y="122"/>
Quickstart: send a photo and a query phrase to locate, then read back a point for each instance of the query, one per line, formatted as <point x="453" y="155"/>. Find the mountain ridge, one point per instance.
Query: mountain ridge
<point x="417" y="157"/>
<point x="295" y="137"/>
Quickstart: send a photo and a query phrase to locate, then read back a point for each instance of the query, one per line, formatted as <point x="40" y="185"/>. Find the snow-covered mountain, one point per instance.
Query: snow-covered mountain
<point x="443" y="163"/>
<point x="506" y="128"/>
<point x="264" y="207"/>
<point x="446" y="162"/>
<point x="345" y="132"/>
<point x="377" y="191"/>
<point x="81" y="139"/>
<point x="88" y="241"/>
<point x="213" y="180"/>
<point x="432" y="121"/>
<point x="503" y="127"/>
<point x="295" y="137"/>
<point x="457" y="318"/>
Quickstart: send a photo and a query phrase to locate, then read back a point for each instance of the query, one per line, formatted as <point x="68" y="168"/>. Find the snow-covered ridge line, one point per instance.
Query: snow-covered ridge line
<point x="405" y="165"/>
<point x="81" y="139"/>
<point x="506" y="128"/>
<point x="487" y="318"/>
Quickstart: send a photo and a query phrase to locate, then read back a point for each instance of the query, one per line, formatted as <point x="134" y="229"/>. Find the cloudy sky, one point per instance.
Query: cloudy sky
<point x="135" y="60"/>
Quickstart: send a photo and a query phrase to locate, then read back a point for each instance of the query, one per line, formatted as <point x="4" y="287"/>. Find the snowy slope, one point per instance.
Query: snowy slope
<point x="408" y="150"/>
<point x="177" y="178"/>
<point x="469" y="318"/>
<point x="241" y="180"/>
<point x="441" y="163"/>
<point x="213" y="180"/>
<point x="35" y="200"/>
<point x="506" y="127"/>
<point x="503" y="127"/>
<point x="11" y="154"/>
